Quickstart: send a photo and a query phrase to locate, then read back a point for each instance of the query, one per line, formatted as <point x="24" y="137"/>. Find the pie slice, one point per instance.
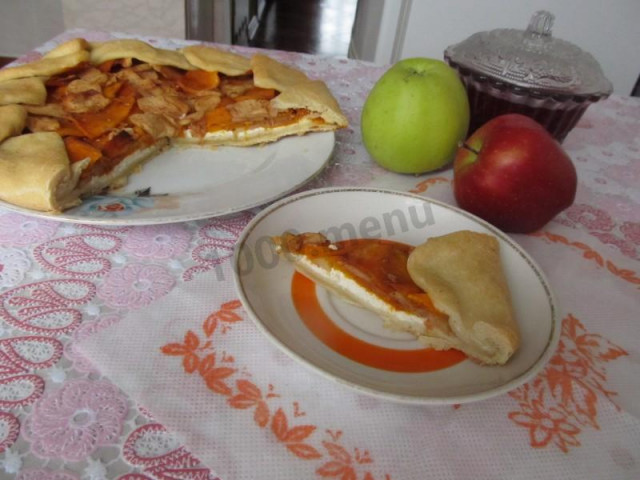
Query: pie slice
<point x="114" y="105"/>
<point x="449" y="292"/>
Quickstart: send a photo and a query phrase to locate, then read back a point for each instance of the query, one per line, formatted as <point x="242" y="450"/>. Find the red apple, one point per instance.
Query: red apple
<point x="512" y="173"/>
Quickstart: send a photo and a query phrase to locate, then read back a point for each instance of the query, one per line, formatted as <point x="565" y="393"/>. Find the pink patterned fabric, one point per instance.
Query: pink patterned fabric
<point x="80" y="256"/>
<point x="624" y="236"/>
<point x="73" y="421"/>
<point x="135" y="286"/>
<point x="21" y="231"/>
<point x="47" y="307"/>
<point x="13" y="266"/>
<point x="9" y="430"/>
<point x="158" y="241"/>
<point x="80" y="362"/>
<point x="41" y="474"/>
<point x="158" y="453"/>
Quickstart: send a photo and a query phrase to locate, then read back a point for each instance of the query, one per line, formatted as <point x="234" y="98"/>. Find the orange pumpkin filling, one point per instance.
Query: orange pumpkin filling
<point x="379" y="266"/>
<point x="106" y="112"/>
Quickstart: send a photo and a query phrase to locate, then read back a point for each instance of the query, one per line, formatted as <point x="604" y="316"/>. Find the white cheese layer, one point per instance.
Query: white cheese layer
<point x="118" y="176"/>
<point x="336" y="280"/>
<point x="252" y="136"/>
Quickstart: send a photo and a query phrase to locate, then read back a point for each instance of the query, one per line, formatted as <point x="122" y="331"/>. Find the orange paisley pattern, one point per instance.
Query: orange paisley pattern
<point x="590" y="254"/>
<point x="555" y="407"/>
<point x="422" y="186"/>
<point x="563" y="400"/>
<point x="222" y="376"/>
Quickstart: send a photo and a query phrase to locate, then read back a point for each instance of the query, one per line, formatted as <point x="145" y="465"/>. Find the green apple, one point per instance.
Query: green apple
<point x="415" y="116"/>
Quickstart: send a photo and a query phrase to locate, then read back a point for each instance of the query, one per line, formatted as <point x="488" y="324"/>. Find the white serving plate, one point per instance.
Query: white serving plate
<point x="195" y="183"/>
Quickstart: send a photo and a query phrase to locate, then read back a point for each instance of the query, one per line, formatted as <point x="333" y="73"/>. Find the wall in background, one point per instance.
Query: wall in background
<point x="160" y="18"/>
<point x="26" y="24"/>
<point x="607" y="30"/>
<point x="373" y="36"/>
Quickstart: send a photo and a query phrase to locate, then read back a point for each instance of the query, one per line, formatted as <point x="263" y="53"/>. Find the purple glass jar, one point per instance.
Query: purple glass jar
<point x="528" y="72"/>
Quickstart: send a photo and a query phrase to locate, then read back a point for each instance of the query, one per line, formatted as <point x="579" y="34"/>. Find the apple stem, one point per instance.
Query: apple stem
<point x="470" y="148"/>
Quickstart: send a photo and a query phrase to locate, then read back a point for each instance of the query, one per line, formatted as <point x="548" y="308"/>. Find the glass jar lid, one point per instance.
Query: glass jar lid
<point x="531" y="59"/>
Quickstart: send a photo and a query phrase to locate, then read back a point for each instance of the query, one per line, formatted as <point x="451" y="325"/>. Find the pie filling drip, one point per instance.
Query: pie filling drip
<point x="380" y="266"/>
<point x="109" y="111"/>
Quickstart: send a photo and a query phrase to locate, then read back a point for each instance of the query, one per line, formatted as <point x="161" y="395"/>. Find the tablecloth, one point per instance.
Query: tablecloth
<point x="65" y="413"/>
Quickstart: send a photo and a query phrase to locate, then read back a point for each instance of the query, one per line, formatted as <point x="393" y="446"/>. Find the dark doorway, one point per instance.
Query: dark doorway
<point x="320" y="27"/>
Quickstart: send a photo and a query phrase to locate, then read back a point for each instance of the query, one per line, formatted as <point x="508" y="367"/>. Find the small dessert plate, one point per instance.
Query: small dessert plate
<point x="348" y="344"/>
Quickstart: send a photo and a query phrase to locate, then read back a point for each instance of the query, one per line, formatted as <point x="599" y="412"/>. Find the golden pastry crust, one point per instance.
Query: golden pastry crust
<point x="24" y="91"/>
<point x="269" y="73"/>
<point x="35" y="172"/>
<point x="295" y="106"/>
<point x="74" y="45"/>
<point x="463" y="275"/>
<point x="13" y="119"/>
<point x="116" y="49"/>
<point x="314" y="96"/>
<point x="296" y="89"/>
<point x="45" y="67"/>
<point x="214" y="60"/>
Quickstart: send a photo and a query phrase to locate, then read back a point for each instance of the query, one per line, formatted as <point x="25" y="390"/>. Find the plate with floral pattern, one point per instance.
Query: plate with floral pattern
<point x="183" y="184"/>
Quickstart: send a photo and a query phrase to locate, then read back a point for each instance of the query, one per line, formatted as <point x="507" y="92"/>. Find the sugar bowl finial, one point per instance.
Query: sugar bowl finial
<point x="541" y="23"/>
